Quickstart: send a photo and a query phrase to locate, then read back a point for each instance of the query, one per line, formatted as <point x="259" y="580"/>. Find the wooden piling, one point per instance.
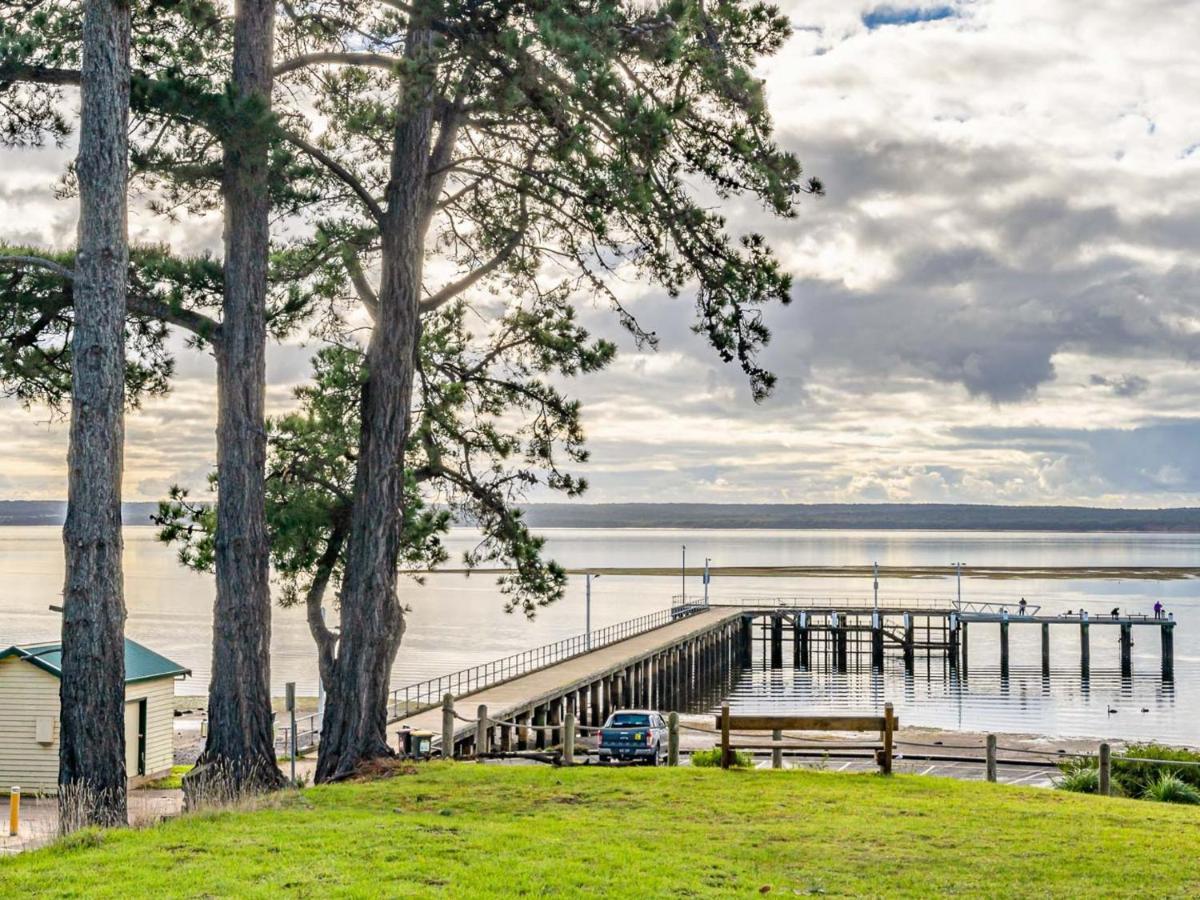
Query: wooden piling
<point x="776" y="641"/>
<point x="991" y="757"/>
<point x="963" y="667"/>
<point x="594" y="704"/>
<point x="482" y="732"/>
<point x="539" y="721"/>
<point x="726" y="753"/>
<point x="877" y="641"/>
<point x="569" y="739"/>
<point x="909" y="642"/>
<point x="523" y="730"/>
<point x="1004" y="648"/>
<point x="776" y="752"/>
<point x="802" y="618"/>
<point x="448" y="726"/>
<point x="1046" y="649"/>
<point x="1167" y="630"/>
<point x="1126" y="650"/>
<point x="673" y="739"/>
<point x="1085" y="649"/>
<point x="889" y="736"/>
<point x="1105" y="770"/>
<point x="554" y="718"/>
<point x="839" y="653"/>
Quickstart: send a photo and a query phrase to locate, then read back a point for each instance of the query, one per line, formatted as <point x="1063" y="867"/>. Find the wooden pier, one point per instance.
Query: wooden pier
<point x="838" y="635"/>
<point x="698" y="650"/>
<point x="661" y="668"/>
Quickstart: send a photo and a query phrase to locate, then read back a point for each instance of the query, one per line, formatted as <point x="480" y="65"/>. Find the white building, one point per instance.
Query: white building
<point x="29" y="683"/>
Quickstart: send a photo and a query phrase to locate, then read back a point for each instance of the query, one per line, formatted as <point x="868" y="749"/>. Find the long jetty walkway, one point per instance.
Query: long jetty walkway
<point x="656" y="668"/>
<point x="665" y="660"/>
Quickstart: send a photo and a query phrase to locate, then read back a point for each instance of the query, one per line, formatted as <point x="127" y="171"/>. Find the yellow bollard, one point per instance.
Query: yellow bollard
<point x="14" y="811"/>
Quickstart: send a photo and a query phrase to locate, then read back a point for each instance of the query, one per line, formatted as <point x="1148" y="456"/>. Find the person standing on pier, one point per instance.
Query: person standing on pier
<point x="1158" y="609"/>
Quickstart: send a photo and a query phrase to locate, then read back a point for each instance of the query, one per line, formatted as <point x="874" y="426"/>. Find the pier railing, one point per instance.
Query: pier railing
<point x="427" y="694"/>
<point x="308" y="730"/>
<point x="858" y="603"/>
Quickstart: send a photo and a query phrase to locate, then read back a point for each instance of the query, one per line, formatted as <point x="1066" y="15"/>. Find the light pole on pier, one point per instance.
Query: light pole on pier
<point x="588" y="609"/>
<point x="876" y="565"/>
<point x="683" y="577"/>
<point x="958" y="584"/>
<point x="706" y="579"/>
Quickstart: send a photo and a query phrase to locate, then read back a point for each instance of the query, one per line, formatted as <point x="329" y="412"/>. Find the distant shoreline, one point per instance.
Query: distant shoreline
<point x="779" y="516"/>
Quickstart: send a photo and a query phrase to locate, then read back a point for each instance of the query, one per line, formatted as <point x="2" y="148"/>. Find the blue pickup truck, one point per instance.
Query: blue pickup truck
<point x="634" y="734"/>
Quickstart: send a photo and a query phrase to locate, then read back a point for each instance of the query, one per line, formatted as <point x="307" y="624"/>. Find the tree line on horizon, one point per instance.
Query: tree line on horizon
<point x="649" y="514"/>
<point x="431" y="190"/>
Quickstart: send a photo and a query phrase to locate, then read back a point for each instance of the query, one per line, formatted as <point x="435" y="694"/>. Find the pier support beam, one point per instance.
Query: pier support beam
<point x="523" y="731"/>
<point x="1004" y="648"/>
<point x="1168" y="650"/>
<point x="1045" y="649"/>
<point x="594" y="704"/>
<point x="838" y="627"/>
<point x="963" y="641"/>
<point x="539" y="721"/>
<point x="747" y="642"/>
<point x="776" y="641"/>
<point x="554" y="718"/>
<point x="1126" y="650"/>
<point x="876" y="641"/>
<point x="1085" y="649"/>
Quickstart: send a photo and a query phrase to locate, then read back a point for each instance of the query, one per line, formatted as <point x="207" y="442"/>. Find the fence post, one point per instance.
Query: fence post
<point x="1105" y="770"/>
<point x="725" y="751"/>
<point x="569" y="739"/>
<point x="14" y="811"/>
<point x="481" y="734"/>
<point x="889" y="734"/>
<point x="673" y="739"/>
<point x="448" y="726"/>
<point x="991" y="757"/>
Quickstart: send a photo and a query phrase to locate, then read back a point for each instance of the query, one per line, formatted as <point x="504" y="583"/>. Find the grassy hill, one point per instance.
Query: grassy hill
<point x="465" y="830"/>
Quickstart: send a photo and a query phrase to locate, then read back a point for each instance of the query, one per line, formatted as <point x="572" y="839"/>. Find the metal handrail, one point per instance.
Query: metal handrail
<point x="968" y="606"/>
<point x="308" y="729"/>
<point x="860" y="603"/>
<point x="426" y="694"/>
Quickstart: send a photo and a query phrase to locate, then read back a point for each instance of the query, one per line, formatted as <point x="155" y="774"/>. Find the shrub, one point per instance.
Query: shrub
<point x="1170" y="788"/>
<point x="1082" y="779"/>
<point x="707" y="759"/>
<point x="1137" y="778"/>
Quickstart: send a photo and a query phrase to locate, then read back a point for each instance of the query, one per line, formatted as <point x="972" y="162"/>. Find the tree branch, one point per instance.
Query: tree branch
<point x="348" y="58"/>
<point x="11" y="73"/>
<point x="361" y="286"/>
<point x="197" y="323"/>
<point x="340" y="171"/>
<point x="452" y="290"/>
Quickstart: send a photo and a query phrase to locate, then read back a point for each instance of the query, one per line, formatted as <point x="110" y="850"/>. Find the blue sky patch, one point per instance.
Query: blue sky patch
<point x="905" y="15"/>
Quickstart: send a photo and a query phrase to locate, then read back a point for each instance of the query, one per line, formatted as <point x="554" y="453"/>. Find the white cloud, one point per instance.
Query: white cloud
<point x="996" y="302"/>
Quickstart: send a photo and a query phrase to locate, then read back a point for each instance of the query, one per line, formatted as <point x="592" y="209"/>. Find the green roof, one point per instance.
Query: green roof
<point x="141" y="663"/>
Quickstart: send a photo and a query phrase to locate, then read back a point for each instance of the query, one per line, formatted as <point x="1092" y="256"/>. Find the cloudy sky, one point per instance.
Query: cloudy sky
<point x="996" y="302"/>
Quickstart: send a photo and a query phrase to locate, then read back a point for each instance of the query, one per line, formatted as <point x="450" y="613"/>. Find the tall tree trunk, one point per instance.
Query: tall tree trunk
<point x="240" y="752"/>
<point x="91" y="772"/>
<point x="372" y="620"/>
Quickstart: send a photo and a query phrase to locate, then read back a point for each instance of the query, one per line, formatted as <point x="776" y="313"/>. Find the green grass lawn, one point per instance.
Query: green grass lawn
<point x="464" y="830"/>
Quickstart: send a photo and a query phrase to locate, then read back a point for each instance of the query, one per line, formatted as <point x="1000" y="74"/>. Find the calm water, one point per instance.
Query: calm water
<point x="458" y="621"/>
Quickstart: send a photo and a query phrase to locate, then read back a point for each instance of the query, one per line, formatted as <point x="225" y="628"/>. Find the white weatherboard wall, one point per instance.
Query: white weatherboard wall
<point x="160" y="722"/>
<point x="28" y="694"/>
